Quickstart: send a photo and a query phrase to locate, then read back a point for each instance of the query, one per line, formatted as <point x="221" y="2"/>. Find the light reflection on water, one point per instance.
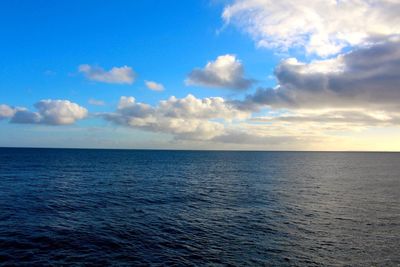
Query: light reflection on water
<point x="175" y="207"/>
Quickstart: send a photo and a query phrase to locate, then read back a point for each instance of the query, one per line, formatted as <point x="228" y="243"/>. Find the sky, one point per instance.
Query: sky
<point x="201" y="74"/>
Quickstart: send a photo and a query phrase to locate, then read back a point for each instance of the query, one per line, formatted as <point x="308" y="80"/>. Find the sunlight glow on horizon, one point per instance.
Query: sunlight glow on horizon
<point x="116" y="78"/>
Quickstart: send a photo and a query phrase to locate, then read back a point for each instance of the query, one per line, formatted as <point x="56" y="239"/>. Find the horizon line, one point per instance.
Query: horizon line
<point x="200" y="150"/>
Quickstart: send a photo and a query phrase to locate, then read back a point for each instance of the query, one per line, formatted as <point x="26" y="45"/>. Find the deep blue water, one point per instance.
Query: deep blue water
<point x="183" y="208"/>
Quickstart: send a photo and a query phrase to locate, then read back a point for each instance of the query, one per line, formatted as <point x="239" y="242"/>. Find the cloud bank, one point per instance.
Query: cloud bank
<point x="224" y="72"/>
<point x="213" y="122"/>
<point x="368" y="78"/>
<point x="116" y="75"/>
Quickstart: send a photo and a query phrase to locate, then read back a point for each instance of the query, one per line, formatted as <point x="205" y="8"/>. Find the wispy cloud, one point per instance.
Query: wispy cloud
<point x="117" y="75"/>
<point x="96" y="102"/>
<point x="49" y="73"/>
<point x="320" y="26"/>
<point x="154" y="86"/>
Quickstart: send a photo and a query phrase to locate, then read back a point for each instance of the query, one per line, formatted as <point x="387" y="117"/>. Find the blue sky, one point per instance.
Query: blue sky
<point x="170" y="42"/>
<point x="160" y="40"/>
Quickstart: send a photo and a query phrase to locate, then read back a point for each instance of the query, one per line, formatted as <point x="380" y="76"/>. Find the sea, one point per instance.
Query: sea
<point x="82" y="207"/>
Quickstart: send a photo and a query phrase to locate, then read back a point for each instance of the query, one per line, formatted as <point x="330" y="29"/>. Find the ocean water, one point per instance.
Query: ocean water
<point x="186" y="208"/>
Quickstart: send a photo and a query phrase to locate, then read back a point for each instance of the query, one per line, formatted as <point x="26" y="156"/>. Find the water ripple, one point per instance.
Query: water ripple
<point x="116" y="207"/>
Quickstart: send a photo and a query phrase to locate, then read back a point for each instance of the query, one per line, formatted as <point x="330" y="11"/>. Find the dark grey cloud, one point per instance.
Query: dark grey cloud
<point x="24" y="116"/>
<point x="365" y="78"/>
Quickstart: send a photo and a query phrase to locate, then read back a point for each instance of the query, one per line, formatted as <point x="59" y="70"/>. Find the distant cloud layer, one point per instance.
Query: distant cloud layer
<point x="185" y="118"/>
<point x="225" y="72"/>
<point x="323" y="27"/>
<point x="117" y="75"/>
<point x="366" y="78"/>
<point x="154" y="86"/>
<point x="50" y="112"/>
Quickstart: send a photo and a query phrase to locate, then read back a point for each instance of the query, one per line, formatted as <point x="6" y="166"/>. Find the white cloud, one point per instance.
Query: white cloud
<point x="323" y="27"/>
<point x="154" y="86"/>
<point x="206" y="108"/>
<point x="225" y="72"/>
<point x="352" y="92"/>
<point x="6" y="111"/>
<point x="185" y="118"/>
<point x="96" y="102"/>
<point x="51" y="112"/>
<point x="117" y="75"/>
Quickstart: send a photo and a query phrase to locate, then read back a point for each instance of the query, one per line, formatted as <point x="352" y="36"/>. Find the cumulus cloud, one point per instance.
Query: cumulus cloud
<point x="154" y="86"/>
<point x="206" y="108"/>
<point x="117" y="75"/>
<point x="24" y="116"/>
<point x="185" y="118"/>
<point x="6" y="111"/>
<point x="334" y="93"/>
<point x="323" y="27"/>
<point x="224" y="72"/>
<point x="367" y="78"/>
<point x="50" y="112"/>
